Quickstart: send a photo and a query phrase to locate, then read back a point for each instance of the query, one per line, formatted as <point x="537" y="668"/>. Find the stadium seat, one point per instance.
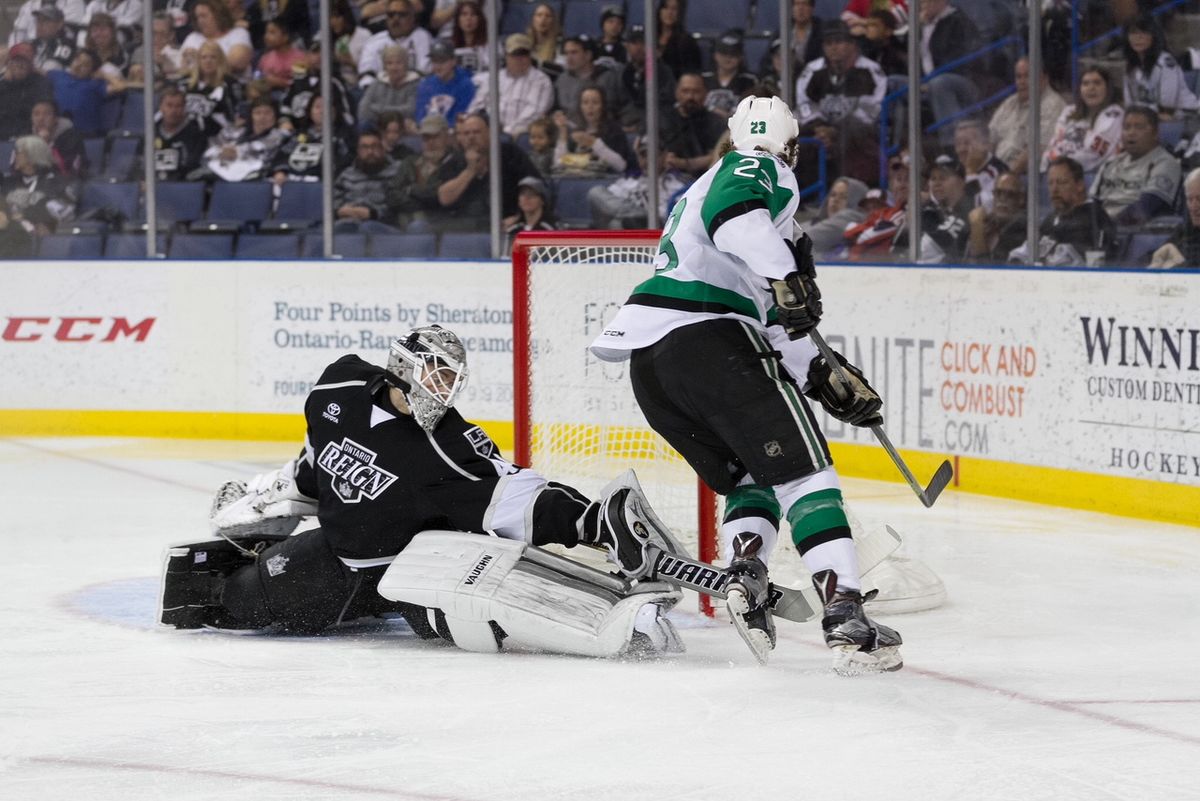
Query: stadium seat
<point x="69" y="246"/>
<point x="1141" y="247"/>
<point x="130" y="246"/>
<point x="403" y="246"/>
<point x="236" y="206"/>
<point x="6" y="151"/>
<point x="571" y="203"/>
<point x="714" y="17"/>
<point x="466" y="245"/>
<point x="110" y="112"/>
<point x="766" y="20"/>
<point x="179" y="201"/>
<point x="635" y="12"/>
<point x="1169" y="133"/>
<point x="345" y="245"/>
<point x="122" y="158"/>
<point x="756" y="48"/>
<point x="132" y="111"/>
<point x="93" y="150"/>
<point x="268" y="246"/>
<point x="300" y="206"/>
<point x="122" y="198"/>
<point x="825" y="9"/>
<point x="1192" y="78"/>
<point x="582" y="16"/>
<point x="201" y="246"/>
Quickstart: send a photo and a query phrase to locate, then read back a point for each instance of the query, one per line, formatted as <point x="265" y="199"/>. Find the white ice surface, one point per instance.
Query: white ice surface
<point x="1065" y="666"/>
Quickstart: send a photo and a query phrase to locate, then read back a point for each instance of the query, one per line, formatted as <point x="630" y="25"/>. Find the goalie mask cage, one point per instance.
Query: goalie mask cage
<point x="576" y="420"/>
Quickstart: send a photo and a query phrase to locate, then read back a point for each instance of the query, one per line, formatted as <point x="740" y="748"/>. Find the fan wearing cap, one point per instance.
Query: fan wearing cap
<point x="447" y="90"/>
<point x="633" y="81"/>
<point x="944" y="215"/>
<point x="583" y="71"/>
<point x="718" y="356"/>
<point x="526" y="93"/>
<point x="53" y="47"/>
<point x="610" y="47"/>
<point x="413" y="195"/>
<point x="21" y="89"/>
<point x="24" y="25"/>
<point x="535" y="212"/>
<point x="730" y="81"/>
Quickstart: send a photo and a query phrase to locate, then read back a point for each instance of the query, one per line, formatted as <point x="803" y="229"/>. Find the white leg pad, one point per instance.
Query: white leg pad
<point x="542" y="601"/>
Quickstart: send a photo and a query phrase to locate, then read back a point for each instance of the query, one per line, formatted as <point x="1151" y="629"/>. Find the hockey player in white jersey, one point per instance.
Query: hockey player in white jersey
<point x="719" y="362"/>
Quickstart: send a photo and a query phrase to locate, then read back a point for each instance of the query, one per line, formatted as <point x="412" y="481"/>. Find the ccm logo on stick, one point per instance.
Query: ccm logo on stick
<point x="76" y="329"/>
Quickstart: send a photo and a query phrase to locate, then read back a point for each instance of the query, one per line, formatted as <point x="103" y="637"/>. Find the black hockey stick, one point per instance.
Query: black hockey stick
<point x="941" y="477"/>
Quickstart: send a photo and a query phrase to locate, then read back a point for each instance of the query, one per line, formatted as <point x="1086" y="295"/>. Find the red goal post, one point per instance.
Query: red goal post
<point x="575" y="418"/>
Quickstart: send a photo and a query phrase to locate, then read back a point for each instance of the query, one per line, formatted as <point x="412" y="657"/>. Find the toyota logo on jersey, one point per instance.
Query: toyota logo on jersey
<point x="355" y="475"/>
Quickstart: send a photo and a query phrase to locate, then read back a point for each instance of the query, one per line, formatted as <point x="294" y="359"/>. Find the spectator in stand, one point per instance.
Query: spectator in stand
<point x="1009" y="126"/>
<point x="590" y="141"/>
<point x="944" y="226"/>
<point x="24" y="26"/>
<point x="463" y="191"/>
<point x="437" y="16"/>
<point x="543" y="135"/>
<point x="623" y="203"/>
<point x="729" y="82"/>
<point x="470" y="37"/>
<point x="1183" y="248"/>
<point x="880" y="44"/>
<point x="66" y="145"/>
<point x="1077" y="231"/>
<point x="633" y="82"/>
<point x="690" y="132"/>
<point x="281" y="55"/>
<point x="101" y="38"/>
<point x="292" y="14"/>
<point x="349" y="40"/>
<point x="413" y="195"/>
<point x="974" y="152"/>
<point x="676" y="46"/>
<point x="545" y="32"/>
<point x="360" y="191"/>
<point x="401" y="30"/>
<point x="300" y="157"/>
<point x="1089" y="130"/>
<point x="871" y="240"/>
<point x="534" y="212"/>
<point x="582" y="70"/>
<point x="54" y="48"/>
<point x="167" y="56"/>
<point x="806" y="34"/>
<point x="525" y="93"/>
<point x="996" y="232"/>
<point x="179" y="141"/>
<point x="838" y="99"/>
<point x="20" y="90"/>
<point x="395" y="91"/>
<point x="840" y="210"/>
<point x="947" y="35"/>
<point x="212" y="22"/>
<point x="36" y="196"/>
<point x="126" y="16"/>
<point x="1141" y="181"/>
<point x="247" y="153"/>
<point x="611" y="46"/>
<point x="306" y="81"/>
<point x="393" y="127"/>
<point x="447" y="90"/>
<point x="857" y="14"/>
<point x="1152" y="78"/>
<point x="180" y="12"/>
<point x="80" y="91"/>
<point x="212" y="96"/>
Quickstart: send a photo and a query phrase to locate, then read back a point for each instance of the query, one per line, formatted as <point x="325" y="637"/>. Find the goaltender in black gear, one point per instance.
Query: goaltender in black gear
<point x="387" y="461"/>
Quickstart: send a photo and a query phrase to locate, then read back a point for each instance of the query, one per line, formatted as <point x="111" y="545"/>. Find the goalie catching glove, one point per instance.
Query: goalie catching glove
<point x="270" y="504"/>
<point x="797" y="299"/>
<point x="852" y="401"/>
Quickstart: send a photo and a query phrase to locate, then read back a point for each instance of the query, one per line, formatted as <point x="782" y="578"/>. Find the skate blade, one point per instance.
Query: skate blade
<point x="756" y="640"/>
<point x="849" y="661"/>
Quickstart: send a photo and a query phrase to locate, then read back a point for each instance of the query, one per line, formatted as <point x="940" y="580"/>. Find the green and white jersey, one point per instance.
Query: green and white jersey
<point x="720" y="248"/>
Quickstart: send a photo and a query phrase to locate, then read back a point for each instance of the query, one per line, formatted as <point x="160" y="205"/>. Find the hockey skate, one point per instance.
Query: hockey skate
<point x="747" y="601"/>
<point x="860" y="645"/>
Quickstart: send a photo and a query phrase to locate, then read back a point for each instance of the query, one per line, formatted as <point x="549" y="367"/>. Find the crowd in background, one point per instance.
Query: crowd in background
<point x="236" y="88"/>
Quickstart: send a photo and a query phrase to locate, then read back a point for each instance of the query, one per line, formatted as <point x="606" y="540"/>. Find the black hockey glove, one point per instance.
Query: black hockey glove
<point x="796" y="297"/>
<point x="853" y="402"/>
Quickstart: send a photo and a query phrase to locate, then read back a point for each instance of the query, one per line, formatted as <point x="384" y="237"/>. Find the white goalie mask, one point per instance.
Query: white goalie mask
<point x="429" y="366"/>
<point x="765" y="123"/>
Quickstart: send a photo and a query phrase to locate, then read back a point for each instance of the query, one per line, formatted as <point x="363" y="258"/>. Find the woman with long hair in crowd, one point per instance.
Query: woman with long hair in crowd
<point x="591" y="140"/>
<point x="210" y="94"/>
<point x="1152" y="76"/>
<point x="545" y="32"/>
<point x="102" y="38"/>
<point x="1088" y="130"/>
<point x="470" y="37"/>
<point x="676" y="47"/>
<point x="212" y="22"/>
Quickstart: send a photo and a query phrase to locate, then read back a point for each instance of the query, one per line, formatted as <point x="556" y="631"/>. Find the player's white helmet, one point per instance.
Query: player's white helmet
<point x="429" y="366"/>
<point x="766" y="123"/>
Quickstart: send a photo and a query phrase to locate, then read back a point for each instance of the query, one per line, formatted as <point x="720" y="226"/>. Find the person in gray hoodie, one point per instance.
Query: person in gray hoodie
<point x="396" y="90"/>
<point x="839" y="210"/>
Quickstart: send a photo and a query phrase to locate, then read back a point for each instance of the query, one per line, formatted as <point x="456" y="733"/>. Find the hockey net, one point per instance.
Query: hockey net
<point x="575" y="417"/>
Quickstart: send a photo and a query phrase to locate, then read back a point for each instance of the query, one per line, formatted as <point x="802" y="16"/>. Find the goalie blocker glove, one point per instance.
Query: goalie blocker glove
<point x="852" y="401"/>
<point x="797" y="298"/>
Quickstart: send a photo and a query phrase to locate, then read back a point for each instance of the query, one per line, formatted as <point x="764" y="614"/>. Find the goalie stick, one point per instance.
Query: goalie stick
<point x="941" y="477"/>
<point x="798" y="605"/>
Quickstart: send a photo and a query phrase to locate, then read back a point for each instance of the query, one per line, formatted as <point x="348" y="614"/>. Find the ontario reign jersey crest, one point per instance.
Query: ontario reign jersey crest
<point x="355" y="474"/>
